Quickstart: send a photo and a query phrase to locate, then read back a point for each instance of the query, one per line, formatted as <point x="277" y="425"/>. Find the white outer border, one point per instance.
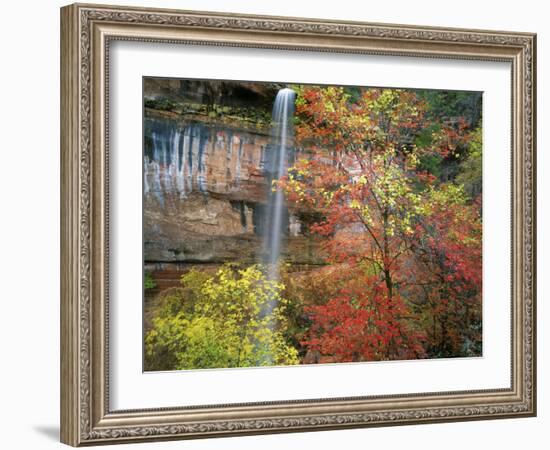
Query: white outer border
<point x="130" y="388"/>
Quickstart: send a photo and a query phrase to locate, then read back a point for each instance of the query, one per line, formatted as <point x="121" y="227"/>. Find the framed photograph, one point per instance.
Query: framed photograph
<point x="277" y="224"/>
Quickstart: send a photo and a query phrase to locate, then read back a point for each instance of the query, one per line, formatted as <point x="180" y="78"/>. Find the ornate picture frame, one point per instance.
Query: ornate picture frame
<point x="87" y="31"/>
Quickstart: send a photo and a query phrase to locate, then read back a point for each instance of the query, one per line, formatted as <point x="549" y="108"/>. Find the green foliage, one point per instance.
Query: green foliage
<point x="446" y="104"/>
<point x="148" y="281"/>
<point x="449" y="107"/>
<point x="431" y="164"/>
<point x="255" y="117"/>
<point x="234" y="318"/>
<point x="162" y="104"/>
<point x="471" y="169"/>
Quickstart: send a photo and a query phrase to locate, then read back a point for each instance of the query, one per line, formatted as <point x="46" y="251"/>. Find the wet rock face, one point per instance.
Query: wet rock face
<point x="205" y="190"/>
<point x="189" y="156"/>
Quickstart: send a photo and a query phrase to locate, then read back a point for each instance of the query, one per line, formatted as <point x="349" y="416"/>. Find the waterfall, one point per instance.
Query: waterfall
<point x="277" y="165"/>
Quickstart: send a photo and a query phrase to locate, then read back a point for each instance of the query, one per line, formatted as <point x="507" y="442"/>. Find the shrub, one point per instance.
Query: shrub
<point x="231" y="319"/>
<point x="148" y="281"/>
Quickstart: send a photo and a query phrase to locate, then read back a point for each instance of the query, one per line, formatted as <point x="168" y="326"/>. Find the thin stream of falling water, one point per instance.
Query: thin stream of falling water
<point x="282" y="135"/>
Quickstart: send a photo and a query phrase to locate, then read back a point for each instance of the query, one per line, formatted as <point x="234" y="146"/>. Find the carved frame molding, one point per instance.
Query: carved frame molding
<point x="86" y="31"/>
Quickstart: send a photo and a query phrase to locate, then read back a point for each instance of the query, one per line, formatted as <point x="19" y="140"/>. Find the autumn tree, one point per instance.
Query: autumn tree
<point x="365" y="177"/>
<point x="445" y="284"/>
